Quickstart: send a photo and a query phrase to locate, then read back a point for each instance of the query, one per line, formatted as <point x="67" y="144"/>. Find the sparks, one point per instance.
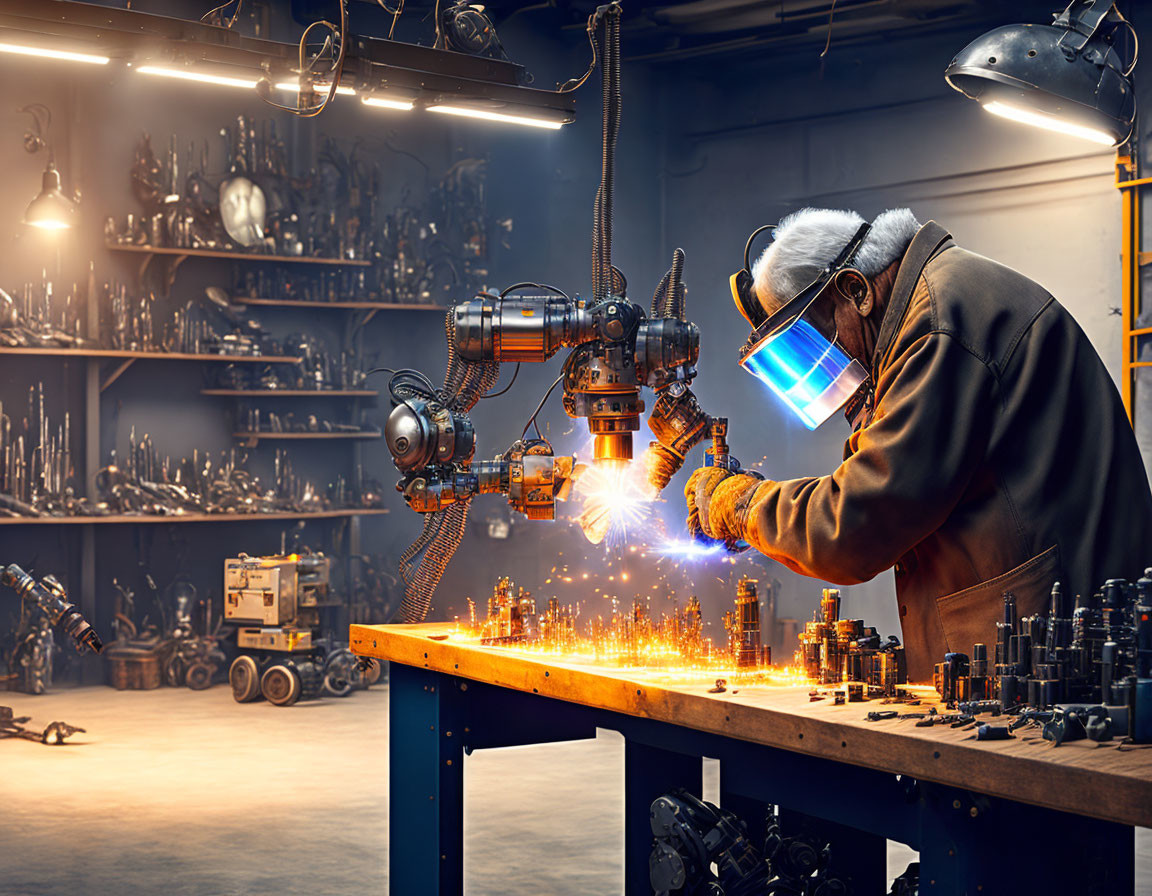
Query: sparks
<point x="688" y="549"/>
<point x="616" y="499"/>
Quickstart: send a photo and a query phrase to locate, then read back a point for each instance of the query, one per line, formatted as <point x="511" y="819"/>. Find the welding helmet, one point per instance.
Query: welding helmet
<point x="796" y="350"/>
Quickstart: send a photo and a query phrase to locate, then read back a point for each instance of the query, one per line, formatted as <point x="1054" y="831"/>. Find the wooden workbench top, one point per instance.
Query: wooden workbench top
<point x="1082" y="777"/>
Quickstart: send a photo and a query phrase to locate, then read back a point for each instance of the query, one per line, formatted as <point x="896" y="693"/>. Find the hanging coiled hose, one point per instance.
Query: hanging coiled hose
<point x="669" y="298"/>
<point x="603" y="276"/>
<point x="422" y="565"/>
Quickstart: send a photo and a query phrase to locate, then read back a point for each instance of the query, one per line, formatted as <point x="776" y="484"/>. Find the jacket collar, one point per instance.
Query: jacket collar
<point x="928" y="241"/>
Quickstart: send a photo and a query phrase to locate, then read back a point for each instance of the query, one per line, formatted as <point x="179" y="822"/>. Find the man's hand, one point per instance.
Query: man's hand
<point x="717" y="500"/>
<point x="698" y="496"/>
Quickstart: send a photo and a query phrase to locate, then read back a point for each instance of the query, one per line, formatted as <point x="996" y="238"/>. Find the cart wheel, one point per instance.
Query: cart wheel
<point x="370" y="669"/>
<point x="244" y="676"/>
<point x="199" y="676"/>
<point x="341" y="676"/>
<point x="280" y="686"/>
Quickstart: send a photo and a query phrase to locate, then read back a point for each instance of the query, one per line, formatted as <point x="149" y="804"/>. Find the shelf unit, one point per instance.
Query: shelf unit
<point x="102" y="367"/>
<point x="236" y="256"/>
<point x="127" y="358"/>
<point x="143" y="519"/>
<point x="291" y="393"/>
<point x="176" y="257"/>
<point x="250" y="439"/>
<point x="338" y="304"/>
<point x="141" y="355"/>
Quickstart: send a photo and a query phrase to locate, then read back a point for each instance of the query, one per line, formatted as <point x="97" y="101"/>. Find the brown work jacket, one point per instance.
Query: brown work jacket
<point x="995" y="455"/>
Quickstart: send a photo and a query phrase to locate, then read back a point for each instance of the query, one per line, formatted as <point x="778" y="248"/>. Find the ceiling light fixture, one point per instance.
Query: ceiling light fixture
<point x="1064" y="77"/>
<point x="489" y="115"/>
<point x="42" y="53"/>
<point x="188" y="74"/>
<point x="51" y="209"/>
<point x="395" y="75"/>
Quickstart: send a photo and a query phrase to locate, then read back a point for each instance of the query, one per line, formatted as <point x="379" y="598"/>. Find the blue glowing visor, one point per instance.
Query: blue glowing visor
<point x="812" y="374"/>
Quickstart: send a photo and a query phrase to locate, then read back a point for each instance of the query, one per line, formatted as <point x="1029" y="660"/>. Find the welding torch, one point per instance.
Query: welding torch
<point x="719" y="455"/>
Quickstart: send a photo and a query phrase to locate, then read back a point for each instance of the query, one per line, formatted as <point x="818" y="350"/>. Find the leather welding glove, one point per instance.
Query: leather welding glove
<point x="718" y="502"/>
<point x="662" y="464"/>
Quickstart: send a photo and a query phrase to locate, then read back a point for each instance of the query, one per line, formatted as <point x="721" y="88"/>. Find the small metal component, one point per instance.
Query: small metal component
<point x="993" y="732"/>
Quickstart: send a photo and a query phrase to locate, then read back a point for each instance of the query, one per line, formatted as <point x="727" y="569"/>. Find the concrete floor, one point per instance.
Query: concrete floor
<point x="184" y="792"/>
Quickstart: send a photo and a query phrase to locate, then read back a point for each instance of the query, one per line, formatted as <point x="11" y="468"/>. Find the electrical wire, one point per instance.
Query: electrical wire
<point x="602" y="270"/>
<point x="828" y="43"/>
<point x="526" y="284"/>
<point x="1135" y="40"/>
<point x="540" y="407"/>
<point x="235" y="12"/>
<point x="593" y="23"/>
<point x="438" y="44"/>
<point x="515" y="373"/>
<point x="410" y="381"/>
<point x="306" y="65"/>
<point x="395" y="16"/>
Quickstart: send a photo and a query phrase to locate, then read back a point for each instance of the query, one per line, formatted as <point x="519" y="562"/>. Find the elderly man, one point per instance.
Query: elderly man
<point x="990" y="450"/>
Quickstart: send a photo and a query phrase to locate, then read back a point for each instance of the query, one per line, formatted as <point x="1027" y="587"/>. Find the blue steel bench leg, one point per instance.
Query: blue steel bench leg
<point x="650" y="772"/>
<point x="426" y="784"/>
<point x="971" y="845"/>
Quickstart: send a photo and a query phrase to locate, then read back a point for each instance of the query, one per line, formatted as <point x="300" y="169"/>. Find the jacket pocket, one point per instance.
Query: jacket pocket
<point x="969" y="617"/>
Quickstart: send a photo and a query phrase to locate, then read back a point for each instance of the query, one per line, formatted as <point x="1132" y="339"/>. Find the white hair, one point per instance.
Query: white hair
<point x="807" y="241"/>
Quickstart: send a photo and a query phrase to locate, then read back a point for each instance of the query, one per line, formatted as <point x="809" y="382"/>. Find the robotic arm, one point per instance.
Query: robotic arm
<point x="433" y="448"/>
<point x="49" y="595"/>
<point x="616" y="351"/>
<point x="432" y="442"/>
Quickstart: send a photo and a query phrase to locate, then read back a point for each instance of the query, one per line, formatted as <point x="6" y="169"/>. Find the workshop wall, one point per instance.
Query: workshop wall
<point x="870" y="126"/>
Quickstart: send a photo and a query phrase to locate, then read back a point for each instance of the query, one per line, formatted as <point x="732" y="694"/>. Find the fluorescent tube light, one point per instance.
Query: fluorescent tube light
<point x="486" y="115"/>
<point x="187" y="74"/>
<point x="1049" y="123"/>
<point x="384" y="103"/>
<point x="42" y="53"/>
